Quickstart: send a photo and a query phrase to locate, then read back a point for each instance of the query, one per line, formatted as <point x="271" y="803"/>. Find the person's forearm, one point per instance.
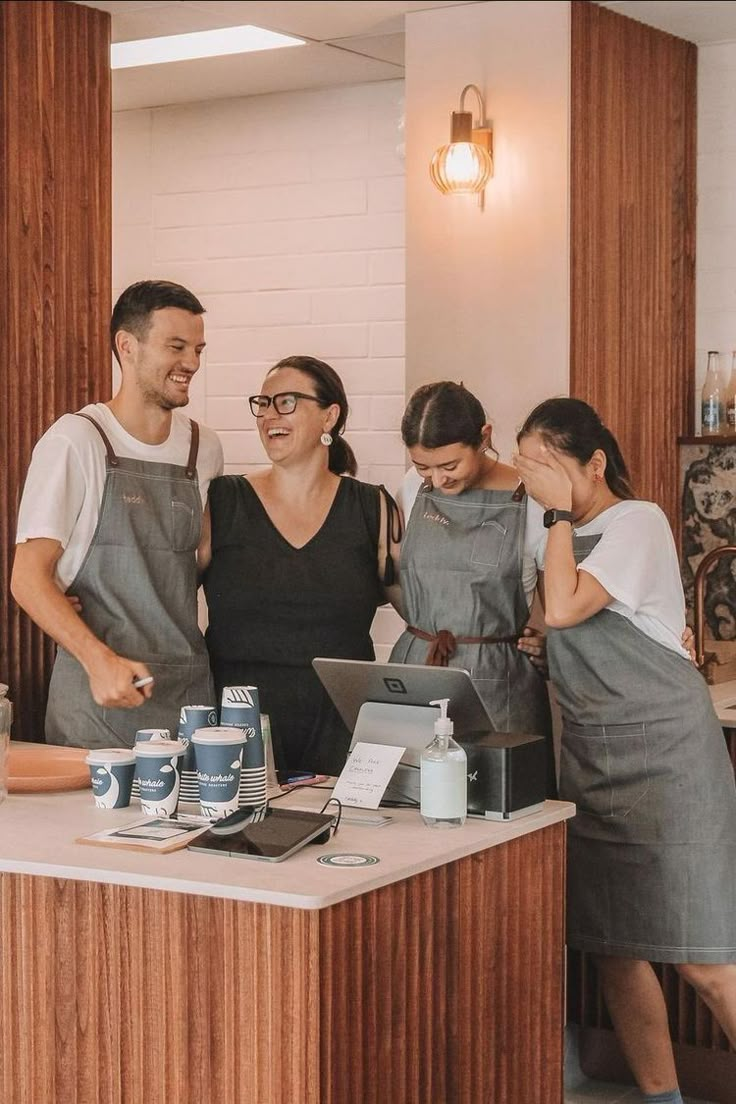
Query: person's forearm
<point x="41" y="599"/>
<point x="560" y="577"/>
<point x="112" y="678"/>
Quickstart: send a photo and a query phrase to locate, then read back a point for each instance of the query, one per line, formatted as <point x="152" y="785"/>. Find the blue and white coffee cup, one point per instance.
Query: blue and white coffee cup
<point x="111" y="773"/>
<point x="240" y="708"/>
<point x="158" y="769"/>
<point x="143" y="735"/>
<point x="192" y="717"/>
<point x="218" y="753"/>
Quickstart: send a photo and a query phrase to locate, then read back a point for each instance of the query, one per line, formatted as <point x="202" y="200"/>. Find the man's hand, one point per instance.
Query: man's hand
<point x="534" y="644"/>
<point x="688" y="643"/>
<point x="111" y="679"/>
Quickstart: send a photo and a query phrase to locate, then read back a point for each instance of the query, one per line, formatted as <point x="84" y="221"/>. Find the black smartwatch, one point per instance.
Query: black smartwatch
<point x="551" y="517"/>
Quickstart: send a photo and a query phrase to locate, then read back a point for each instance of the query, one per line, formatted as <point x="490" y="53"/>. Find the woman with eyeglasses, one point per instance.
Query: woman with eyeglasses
<point x="468" y="572"/>
<point x="300" y="557"/>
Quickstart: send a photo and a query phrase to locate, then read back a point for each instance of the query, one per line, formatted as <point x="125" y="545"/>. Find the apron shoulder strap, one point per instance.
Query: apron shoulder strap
<point x="193" y="450"/>
<point x="111" y="457"/>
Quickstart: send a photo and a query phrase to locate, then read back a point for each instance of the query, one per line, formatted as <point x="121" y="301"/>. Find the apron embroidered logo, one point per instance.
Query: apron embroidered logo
<point x="133" y="500"/>
<point x="440" y="519"/>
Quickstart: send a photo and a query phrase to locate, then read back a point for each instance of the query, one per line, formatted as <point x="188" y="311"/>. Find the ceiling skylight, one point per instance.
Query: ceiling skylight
<point x="200" y="44"/>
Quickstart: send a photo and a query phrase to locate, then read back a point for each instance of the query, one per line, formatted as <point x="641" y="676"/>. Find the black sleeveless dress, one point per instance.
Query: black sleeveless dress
<point x="273" y="608"/>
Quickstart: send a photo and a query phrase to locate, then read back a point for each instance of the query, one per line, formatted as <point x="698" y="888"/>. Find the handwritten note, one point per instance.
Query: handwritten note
<point x="366" y="774"/>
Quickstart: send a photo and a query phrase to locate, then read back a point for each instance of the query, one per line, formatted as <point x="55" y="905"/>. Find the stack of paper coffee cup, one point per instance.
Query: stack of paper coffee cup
<point x="240" y="709"/>
<point x="191" y="718"/>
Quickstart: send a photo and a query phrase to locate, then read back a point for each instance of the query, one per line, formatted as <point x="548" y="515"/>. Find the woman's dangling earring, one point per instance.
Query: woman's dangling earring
<point x="326" y="438"/>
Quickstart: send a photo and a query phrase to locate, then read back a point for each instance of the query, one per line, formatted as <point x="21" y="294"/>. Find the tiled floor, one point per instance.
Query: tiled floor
<point x="598" y="1092"/>
<point x="579" y="1090"/>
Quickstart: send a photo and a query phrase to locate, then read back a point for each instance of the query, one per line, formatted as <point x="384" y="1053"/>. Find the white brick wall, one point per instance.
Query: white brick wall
<point x="716" y="220"/>
<point x="285" y="215"/>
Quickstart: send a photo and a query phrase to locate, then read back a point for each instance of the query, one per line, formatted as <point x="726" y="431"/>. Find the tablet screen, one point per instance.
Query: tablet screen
<point x="281" y="832"/>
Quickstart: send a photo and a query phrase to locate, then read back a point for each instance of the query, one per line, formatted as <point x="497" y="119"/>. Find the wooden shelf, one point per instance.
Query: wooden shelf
<point x="713" y="439"/>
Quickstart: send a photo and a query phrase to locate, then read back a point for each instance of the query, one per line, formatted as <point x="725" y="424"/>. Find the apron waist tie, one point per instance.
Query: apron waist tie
<point x="444" y="643"/>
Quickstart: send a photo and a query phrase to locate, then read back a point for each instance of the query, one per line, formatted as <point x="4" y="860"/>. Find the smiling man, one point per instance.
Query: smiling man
<point x="112" y="514"/>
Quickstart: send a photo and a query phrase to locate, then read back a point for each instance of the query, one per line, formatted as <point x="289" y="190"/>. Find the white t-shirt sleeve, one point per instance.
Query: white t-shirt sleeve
<point x="407" y="493"/>
<point x="55" y="489"/>
<point x="628" y="559"/>
<point x="210" y="462"/>
<point x="534" y="542"/>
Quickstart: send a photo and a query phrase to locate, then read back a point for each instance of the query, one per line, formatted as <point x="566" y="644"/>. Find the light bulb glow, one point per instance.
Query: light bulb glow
<point x="198" y="44"/>
<point x="462" y="168"/>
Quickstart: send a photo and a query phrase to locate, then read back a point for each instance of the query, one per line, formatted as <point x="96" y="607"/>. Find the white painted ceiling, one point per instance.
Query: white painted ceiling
<point x="700" y="21"/>
<point x="349" y="42"/>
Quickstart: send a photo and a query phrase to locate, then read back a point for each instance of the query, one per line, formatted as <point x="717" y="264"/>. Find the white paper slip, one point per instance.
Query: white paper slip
<point x="367" y="773"/>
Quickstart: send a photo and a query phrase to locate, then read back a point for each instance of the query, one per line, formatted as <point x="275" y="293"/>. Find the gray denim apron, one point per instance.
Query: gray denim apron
<point x="461" y="571"/>
<point x="652" y="850"/>
<point x="138" y="589"/>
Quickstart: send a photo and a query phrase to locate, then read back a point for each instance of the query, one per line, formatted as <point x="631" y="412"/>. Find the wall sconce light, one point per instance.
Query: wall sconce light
<point x="465" y="166"/>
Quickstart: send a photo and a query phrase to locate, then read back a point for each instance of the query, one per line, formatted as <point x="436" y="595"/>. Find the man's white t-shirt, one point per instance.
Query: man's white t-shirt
<point x="534" y="533"/>
<point x="66" y="478"/>
<point x="636" y="562"/>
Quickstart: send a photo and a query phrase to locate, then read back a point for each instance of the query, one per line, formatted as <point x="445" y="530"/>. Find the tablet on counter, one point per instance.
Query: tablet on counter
<point x="280" y="833"/>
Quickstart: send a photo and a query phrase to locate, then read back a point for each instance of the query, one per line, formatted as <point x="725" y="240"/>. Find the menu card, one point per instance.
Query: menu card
<point x="367" y="773"/>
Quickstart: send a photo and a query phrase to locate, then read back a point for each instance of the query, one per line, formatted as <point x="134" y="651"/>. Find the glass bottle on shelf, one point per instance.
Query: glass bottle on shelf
<point x="712" y="404"/>
<point x="730" y="399"/>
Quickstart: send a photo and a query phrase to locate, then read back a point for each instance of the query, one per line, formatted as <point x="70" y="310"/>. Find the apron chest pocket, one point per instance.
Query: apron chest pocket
<point x="488" y="544"/>
<point x="604" y="769"/>
<point x="183" y="537"/>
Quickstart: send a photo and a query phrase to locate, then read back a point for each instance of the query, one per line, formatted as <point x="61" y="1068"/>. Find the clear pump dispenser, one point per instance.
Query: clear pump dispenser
<point x="443" y="776"/>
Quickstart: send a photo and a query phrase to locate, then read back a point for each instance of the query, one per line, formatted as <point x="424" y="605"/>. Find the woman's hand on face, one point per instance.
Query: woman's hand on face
<point x="545" y="480"/>
<point x="534" y="644"/>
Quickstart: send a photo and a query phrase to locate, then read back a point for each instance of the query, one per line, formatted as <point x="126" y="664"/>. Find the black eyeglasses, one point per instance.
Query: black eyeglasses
<point x="283" y="403"/>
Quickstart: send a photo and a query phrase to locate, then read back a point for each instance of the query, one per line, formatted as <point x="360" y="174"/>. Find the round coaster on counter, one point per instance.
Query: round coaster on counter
<point x="348" y="860"/>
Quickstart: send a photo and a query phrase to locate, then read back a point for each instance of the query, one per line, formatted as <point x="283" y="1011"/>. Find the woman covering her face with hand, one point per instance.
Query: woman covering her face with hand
<point x="468" y="571"/>
<point x="652" y="850"/>
<point x="300" y="558"/>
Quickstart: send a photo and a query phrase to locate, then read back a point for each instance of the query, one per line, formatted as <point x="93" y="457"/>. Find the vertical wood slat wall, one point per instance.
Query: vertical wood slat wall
<point x="633" y="163"/>
<point x="55" y="245"/>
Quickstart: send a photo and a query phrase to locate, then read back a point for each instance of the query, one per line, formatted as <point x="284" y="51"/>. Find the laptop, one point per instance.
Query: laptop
<point x="388" y="703"/>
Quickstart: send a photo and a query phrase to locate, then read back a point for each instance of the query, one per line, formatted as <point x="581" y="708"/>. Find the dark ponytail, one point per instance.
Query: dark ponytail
<point x="574" y="428"/>
<point x="329" y="390"/>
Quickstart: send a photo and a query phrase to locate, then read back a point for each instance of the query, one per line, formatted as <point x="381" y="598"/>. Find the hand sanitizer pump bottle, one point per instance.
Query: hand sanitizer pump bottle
<point x="443" y="776"/>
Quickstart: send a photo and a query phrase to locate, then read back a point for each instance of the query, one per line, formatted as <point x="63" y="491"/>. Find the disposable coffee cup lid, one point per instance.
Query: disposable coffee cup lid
<point x="161" y="748"/>
<point x="98" y="756"/>
<point x="218" y="735"/>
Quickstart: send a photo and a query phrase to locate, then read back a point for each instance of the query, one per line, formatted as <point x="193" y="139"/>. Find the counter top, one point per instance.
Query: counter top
<point x="38" y="833"/>
<point x="724" y="701"/>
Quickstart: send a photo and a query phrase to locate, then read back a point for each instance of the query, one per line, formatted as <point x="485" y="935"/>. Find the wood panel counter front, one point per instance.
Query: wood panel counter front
<point x="434" y="976"/>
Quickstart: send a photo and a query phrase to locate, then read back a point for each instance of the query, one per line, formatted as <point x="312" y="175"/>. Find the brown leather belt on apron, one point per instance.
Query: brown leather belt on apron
<point x="444" y="643"/>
